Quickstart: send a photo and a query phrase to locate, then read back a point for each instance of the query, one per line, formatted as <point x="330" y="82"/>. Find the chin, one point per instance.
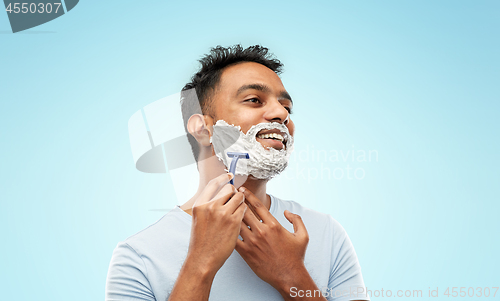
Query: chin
<point x="252" y="178"/>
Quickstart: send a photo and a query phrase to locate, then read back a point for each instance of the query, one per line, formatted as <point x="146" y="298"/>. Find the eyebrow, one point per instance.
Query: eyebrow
<point x="263" y="88"/>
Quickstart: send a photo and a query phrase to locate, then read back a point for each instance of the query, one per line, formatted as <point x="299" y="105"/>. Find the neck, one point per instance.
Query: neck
<point x="211" y="167"/>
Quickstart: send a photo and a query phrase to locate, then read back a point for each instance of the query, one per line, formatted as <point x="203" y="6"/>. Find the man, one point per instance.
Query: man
<point x="236" y="242"/>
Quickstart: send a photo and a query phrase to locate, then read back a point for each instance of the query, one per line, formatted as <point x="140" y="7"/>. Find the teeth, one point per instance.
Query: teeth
<point x="271" y="136"/>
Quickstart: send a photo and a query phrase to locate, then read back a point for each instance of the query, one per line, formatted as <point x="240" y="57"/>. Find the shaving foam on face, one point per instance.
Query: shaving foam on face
<point x="264" y="163"/>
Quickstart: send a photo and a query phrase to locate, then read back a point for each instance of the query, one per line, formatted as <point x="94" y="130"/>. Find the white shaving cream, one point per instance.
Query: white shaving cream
<point x="264" y="163"/>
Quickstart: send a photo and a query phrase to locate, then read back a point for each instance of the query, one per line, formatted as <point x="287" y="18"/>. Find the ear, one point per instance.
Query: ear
<point x="197" y="127"/>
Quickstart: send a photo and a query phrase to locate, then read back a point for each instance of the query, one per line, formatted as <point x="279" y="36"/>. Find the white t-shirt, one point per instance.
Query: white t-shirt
<point x="146" y="265"/>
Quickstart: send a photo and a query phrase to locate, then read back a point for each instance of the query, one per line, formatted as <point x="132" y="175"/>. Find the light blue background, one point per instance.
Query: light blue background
<point x="417" y="81"/>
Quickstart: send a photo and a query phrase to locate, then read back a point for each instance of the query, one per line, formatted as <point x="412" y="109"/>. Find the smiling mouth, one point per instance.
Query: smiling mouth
<point x="274" y="139"/>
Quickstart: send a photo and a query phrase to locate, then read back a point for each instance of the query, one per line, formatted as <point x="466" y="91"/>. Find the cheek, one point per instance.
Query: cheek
<point x="245" y="120"/>
<point x="291" y="127"/>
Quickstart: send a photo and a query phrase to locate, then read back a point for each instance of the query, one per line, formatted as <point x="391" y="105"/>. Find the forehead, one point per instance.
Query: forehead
<point x="235" y="76"/>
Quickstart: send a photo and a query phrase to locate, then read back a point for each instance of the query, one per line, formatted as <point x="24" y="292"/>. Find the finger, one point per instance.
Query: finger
<point x="240" y="212"/>
<point x="240" y="246"/>
<point x="253" y="210"/>
<point x="298" y="225"/>
<point x="212" y="188"/>
<point x="224" y="194"/>
<point x="250" y="220"/>
<point x="235" y="202"/>
<point x="260" y="210"/>
<point x="244" y="231"/>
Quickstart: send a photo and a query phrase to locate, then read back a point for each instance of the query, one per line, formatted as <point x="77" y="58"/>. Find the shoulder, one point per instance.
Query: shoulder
<point x="174" y="226"/>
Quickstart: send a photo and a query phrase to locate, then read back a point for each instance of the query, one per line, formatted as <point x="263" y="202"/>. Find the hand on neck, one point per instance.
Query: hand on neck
<point x="212" y="167"/>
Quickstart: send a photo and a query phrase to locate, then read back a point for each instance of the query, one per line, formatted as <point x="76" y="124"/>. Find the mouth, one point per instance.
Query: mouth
<point x="272" y="138"/>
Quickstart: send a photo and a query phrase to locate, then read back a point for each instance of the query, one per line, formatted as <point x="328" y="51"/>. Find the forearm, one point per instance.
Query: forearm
<point x="300" y="286"/>
<point x="193" y="283"/>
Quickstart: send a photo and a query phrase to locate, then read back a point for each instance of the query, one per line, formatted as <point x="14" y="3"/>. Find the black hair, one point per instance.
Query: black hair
<point x="203" y="84"/>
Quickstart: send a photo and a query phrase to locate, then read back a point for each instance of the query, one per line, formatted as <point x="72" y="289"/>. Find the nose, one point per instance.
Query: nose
<point x="275" y="112"/>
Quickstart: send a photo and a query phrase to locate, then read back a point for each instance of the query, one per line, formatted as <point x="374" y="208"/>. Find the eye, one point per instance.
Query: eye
<point x="289" y="109"/>
<point x="254" y="100"/>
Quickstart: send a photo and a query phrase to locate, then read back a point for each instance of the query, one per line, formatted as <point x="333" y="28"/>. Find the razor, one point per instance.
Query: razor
<point x="236" y="157"/>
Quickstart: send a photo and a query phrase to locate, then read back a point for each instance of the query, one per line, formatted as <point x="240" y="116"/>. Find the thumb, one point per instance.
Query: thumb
<point x="298" y="225"/>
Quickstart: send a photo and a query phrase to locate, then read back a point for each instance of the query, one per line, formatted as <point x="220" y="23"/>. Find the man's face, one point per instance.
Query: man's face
<point x="250" y="93"/>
